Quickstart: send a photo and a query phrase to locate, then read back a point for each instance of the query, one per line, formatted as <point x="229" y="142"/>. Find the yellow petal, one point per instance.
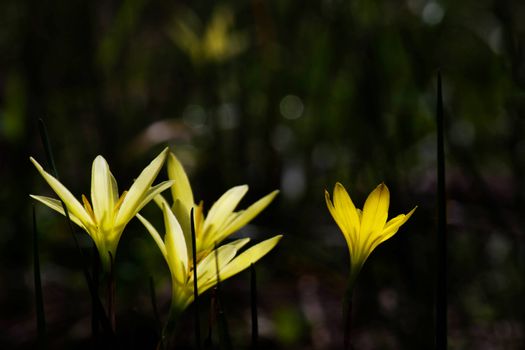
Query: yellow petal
<point x="176" y="250"/>
<point x="153" y="192"/>
<point x="221" y="210"/>
<point x="138" y="191"/>
<point x="181" y="189"/>
<point x="393" y="225"/>
<point x="247" y="215"/>
<point x="375" y="214"/>
<point x="248" y="257"/>
<point x="154" y="234"/>
<point x="55" y="204"/>
<point x="239" y="243"/>
<point x="207" y="268"/>
<point x="183" y="215"/>
<point x="104" y="192"/>
<point x="345" y="214"/>
<point x="160" y="201"/>
<point x="181" y="192"/>
<point x="73" y="205"/>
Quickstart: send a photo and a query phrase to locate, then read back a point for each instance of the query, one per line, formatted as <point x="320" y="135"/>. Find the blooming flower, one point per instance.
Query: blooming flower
<point x="105" y="218"/>
<point x="221" y="220"/>
<point x="223" y="261"/>
<point x="363" y="229"/>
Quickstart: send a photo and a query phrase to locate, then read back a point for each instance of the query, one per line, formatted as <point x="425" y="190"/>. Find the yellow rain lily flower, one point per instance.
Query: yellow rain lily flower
<point x="175" y="249"/>
<point x="363" y="229"/>
<point x="221" y="221"/>
<point x="105" y="218"/>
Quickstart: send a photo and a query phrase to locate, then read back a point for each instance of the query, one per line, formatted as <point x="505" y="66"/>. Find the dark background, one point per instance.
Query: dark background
<point x="276" y="94"/>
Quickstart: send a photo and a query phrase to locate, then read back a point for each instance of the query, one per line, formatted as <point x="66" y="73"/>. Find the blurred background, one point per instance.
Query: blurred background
<point x="275" y="94"/>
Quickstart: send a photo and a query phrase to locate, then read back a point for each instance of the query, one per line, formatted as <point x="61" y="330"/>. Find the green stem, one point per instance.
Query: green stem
<point x="168" y="332"/>
<point x="347" y="316"/>
<point x="111" y="293"/>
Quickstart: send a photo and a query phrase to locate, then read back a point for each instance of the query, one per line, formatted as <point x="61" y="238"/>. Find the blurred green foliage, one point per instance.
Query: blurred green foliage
<point x="276" y="94"/>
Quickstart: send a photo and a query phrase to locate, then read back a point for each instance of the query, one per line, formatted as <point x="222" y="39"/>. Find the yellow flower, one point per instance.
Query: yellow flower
<point x="175" y="249"/>
<point x="221" y="221"/>
<point x="105" y="218"/>
<point x="363" y="229"/>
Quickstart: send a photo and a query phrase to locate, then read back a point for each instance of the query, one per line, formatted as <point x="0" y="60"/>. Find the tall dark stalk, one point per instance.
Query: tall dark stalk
<point x="253" y="303"/>
<point x="39" y="299"/>
<point x="441" y="283"/>
<point x="195" y="284"/>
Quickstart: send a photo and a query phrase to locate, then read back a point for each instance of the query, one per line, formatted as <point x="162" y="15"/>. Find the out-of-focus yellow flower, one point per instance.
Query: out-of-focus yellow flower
<point x="215" y="42"/>
<point x="223" y="261"/>
<point x="221" y="220"/>
<point x="105" y="218"/>
<point x="363" y="229"/>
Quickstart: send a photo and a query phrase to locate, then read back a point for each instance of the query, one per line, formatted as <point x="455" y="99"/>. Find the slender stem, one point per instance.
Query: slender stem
<point x="347" y="317"/>
<point x="169" y="328"/>
<point x="441" y="282"/>
<point x="39" y="299"/>
<point x="253" y="299"/>
<point x="95" y="317"/>
<point x="195" y="284"/>
<point x="111" y="292"/>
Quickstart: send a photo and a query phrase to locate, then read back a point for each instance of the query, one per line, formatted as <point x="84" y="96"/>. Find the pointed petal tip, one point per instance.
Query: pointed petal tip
<point x="165" y="151"/>
<point x="243" y="187"/>
<point x="382" y="186"/>
<point x="327" y="197"/>
<point x="277" y="238"/>
<point x="409" y="214"/>
<point x="35" y="163"/>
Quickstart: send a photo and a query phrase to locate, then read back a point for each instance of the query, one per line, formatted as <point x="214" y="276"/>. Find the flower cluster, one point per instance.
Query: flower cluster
<point x="193" y="245"/>
<point x="105" y="218"/>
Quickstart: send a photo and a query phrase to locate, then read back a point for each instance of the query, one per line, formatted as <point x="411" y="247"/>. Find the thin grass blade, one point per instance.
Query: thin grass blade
<point x="195" y="287"/>
<point x="441" y="283"/>
<point x="39" y="299"/>
<point x="253" y="303"/>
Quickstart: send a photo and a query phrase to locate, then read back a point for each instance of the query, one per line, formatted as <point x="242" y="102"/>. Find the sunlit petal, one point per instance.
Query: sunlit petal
<point x="55" y="204"/>
<point x="248" y="257"/>
<point x="104" y="192"/>
<point x="176" y="251"/>
<point x="73" y="205"/>
<point x="154" y="234"/>
<point x="182" y="189"/>
<point x="207" y="268"/>
<point x="153" y="192"/>
<point x="375" y="213"/>
<point x="225" y="205"/>
<point x="394" y="224"/>
<point x="137" y="192"/>
<point x="247" y="215"/>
